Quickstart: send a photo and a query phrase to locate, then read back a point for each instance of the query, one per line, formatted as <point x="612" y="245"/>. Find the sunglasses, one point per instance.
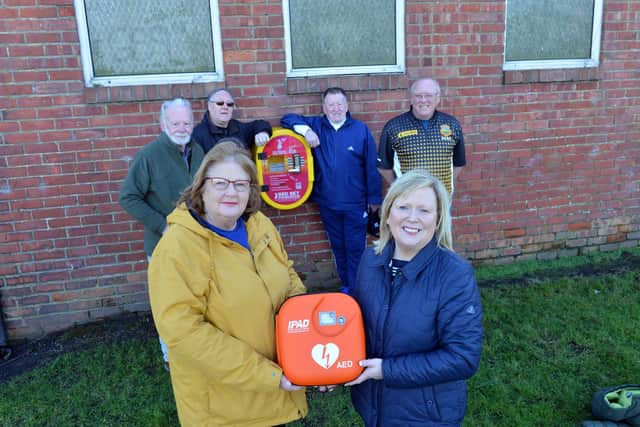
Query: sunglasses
<point x="221" y="103"/>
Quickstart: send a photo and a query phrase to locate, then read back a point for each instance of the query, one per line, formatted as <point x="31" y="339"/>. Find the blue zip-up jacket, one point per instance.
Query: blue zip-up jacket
<point x="426" y="325"/>
<point x="346" y="174"/>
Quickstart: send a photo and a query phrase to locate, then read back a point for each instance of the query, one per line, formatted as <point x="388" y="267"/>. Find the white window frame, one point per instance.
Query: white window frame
<point x="90" y="80"/>
<point x="593" y="61"/>
<point x="398" y="67"/>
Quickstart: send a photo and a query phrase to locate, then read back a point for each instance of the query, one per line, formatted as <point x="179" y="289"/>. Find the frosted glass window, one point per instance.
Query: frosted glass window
<point x="552" y="34"/>
<point x="143" y="41"/>
<point x="344" y="36"/>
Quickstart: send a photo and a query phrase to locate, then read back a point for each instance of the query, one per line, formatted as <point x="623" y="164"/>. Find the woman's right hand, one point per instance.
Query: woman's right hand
<point x="286" y="385"/>
<point x="372" y="371"/>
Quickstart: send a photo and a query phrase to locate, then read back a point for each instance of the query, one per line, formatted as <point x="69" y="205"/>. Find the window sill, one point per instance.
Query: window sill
<point x="554" y="75"/>
<point x="191" y="91"/>
<point x="303" y="85"/>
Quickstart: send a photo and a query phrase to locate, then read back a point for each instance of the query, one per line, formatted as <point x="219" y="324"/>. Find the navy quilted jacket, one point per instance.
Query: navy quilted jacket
<point x="426" y="325"/>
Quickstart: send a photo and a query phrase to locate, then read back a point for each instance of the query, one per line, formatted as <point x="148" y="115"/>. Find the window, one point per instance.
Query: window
<point x="546" y="34"/>
<point x="142" y="42"/>
<point x="332" y="37"/>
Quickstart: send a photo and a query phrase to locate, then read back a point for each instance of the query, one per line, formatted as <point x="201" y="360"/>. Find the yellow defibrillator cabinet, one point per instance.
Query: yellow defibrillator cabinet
<point x="285" y="169"/>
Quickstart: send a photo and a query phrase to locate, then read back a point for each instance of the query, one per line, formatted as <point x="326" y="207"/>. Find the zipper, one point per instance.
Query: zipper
<point x="388" y="302"/>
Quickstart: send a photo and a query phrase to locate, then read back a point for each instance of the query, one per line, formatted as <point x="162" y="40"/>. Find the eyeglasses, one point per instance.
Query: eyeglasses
<point x="221" y="184"/>
<point x="221" y="103"/>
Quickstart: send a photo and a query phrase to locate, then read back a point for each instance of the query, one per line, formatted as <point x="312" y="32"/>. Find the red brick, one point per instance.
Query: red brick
<point x="544" y="169"/>
<point x="239" y="56"/>
<point x="34" y="300"/>
<point x="514" y="232"/>
<point x="66" y="75"/>
<point x="579" y="226"/>
<point x="53" y="308"/>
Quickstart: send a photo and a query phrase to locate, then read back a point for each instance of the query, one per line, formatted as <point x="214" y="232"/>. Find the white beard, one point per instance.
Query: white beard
<point x="180" y="141"/>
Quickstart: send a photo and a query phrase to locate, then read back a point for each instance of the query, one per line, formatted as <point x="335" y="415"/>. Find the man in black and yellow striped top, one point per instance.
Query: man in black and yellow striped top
<point x="422" y="138"/>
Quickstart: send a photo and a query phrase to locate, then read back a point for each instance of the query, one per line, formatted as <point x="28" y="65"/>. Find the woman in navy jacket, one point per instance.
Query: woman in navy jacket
<point x="422" y="313"/>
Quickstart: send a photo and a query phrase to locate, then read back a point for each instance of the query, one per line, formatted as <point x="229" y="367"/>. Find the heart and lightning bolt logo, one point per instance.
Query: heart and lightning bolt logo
<point x="325" y="355"/>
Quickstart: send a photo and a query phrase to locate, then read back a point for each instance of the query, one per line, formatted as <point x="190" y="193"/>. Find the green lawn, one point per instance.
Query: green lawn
<point x="555" y="332"/>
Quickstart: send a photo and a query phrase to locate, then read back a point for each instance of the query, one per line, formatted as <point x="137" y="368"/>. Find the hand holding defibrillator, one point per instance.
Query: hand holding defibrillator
<point x="286" y="385"/>
<point x="320" y="340"/>
<point x="372" y="371"/>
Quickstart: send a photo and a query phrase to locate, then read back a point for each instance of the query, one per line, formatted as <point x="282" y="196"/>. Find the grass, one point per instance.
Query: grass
<point x="555" y="332"/>
<point x="548" y="348"/>
<point x="110" y="385"/>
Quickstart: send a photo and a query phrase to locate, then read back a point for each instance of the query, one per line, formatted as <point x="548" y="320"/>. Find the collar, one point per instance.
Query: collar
<point x="186" y="154"/>
<point x="337" y="126"/>
<point x="435" y="114"/>
<point x="231" y="128"/>
<point x="164" y="139"/>
<point x="347" y="119"/>
<point x="416" y="265"/>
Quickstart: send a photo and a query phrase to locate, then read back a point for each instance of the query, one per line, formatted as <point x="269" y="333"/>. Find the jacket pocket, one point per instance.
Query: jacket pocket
<point x="431" y="407"/>
<point x="452" y="400"/>
<point x="226" y="406"/>
<point x="411" y="406"/>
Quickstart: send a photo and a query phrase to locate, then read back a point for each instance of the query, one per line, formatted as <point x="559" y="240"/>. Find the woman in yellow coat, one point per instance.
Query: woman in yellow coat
<point x="216" y="281"/>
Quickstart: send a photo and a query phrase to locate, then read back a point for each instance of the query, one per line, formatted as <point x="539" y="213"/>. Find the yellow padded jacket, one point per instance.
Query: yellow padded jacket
<point x="214" y="304"/>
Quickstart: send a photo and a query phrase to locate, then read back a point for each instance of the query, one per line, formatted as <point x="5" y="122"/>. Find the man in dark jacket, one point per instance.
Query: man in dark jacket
<point x="159" y="173"/>
<point x="346" y="178"/>
<point x="217" y="124"/>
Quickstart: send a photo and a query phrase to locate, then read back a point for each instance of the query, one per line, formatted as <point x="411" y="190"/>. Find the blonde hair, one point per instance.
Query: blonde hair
<point x="225" y="150"/>
<point x="409" y="182"/>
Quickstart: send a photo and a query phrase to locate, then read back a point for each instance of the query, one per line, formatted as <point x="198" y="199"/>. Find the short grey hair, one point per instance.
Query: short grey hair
<point x="215" y="91"/>
<point x="177" y="102"/>
<point x="434" y="81"/>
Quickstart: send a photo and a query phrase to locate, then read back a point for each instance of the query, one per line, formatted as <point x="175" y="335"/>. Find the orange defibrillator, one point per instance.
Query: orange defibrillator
<point x="320" y="339"/>
<point x="285" y="169"/>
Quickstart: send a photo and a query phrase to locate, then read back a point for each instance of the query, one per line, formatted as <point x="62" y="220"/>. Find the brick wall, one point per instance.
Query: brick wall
<point x="553" y="157"/>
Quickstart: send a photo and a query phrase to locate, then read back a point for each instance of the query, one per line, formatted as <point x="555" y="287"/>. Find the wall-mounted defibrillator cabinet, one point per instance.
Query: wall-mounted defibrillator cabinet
<point x="285" y="170"/>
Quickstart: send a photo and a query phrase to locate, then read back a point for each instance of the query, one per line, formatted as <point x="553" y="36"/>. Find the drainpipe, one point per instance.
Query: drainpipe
<point x="5" y="350"/>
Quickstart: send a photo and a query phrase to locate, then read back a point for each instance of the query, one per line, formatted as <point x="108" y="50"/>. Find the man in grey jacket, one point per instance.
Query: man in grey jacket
<point x="159" y="172"/>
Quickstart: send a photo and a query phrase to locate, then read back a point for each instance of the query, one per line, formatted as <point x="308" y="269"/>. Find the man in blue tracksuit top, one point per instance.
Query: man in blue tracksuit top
<point x="346" y="178"/>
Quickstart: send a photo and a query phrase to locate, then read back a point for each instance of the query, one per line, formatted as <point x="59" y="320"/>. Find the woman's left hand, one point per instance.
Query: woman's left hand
<point x="372" y="371"/>
<point x="286" y="385"/>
